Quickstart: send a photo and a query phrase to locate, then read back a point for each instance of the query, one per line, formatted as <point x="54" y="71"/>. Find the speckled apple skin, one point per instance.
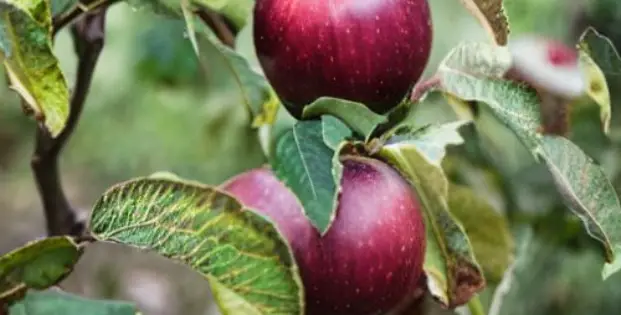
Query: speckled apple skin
<point x="368" y="51"/>
<point x="372" y="256"/>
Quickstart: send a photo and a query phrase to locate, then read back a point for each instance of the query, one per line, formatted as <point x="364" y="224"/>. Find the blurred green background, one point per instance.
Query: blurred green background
<point x="151" y="109"/>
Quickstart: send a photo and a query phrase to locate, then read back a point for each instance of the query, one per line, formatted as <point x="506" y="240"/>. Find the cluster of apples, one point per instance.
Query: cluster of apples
<point x="368" y="51"/>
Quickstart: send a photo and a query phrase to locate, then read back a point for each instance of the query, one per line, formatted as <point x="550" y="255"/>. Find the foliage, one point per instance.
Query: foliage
<point x="471" y="247"/>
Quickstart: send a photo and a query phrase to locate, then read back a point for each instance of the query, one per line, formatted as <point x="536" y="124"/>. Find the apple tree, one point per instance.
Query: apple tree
<point x="362" y="207"/>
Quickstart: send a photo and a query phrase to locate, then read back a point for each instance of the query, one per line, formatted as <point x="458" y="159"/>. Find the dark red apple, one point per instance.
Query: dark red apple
<point x="371" y="258"/>
<point x="368" y="51"/>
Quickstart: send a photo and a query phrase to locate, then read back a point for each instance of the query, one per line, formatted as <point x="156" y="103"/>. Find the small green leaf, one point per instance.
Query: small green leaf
<point x="477" y="59"/>
<point x="334" y="131"/>
<point x="491" y="14"/>
<point x="453" y="274"/>
<point x="357" y="116"/>
<point x="38" y="265"/>
<point x="27" y="55"/>
<point x="587" y="192"/>
<point x="596" y="50"/>
<point x="253" y="89"/>
<point x="432" y="140"/>
<point x="61" y="303"/>
<point x="209" y="231"/>
<point x="304" y="162"/>
<point x="487" y="230"/>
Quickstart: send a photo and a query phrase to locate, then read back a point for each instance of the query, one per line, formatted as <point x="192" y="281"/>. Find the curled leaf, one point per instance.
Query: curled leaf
<point x="38" y="265"/>
<point x="453" y="273"/>
<point x="209" y="231"/>
<point x="599" y="59"/>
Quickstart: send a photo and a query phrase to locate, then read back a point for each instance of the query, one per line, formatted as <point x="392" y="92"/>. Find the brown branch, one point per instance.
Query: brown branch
<point x="62" y="20"/>
<point x="88" y="37"/>
<point x="219" y="25"/>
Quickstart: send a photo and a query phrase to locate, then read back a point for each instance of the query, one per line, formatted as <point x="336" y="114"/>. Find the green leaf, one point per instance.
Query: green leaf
<point x="487" y="230"/>
<point x="209" y="231"/>
<point x="334" y="131"/>
<point x="237" y="11"/>
<point x="356" y="115"/>
<point x="520" y="277"/>
<point x="491" y="15"/>
<point x="453" y="274"/>
<point x="27" y="55"/>
<point x="304" y="162"/>
<point x="587" y="192"/>
<point x="38" y="265"/>
<point x="253" y="89"/>
<point x="596" y="50"/>
<point x="61" y="303"/>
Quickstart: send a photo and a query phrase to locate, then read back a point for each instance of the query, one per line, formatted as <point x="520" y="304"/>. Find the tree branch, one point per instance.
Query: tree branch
<point x="59" y="22"/>
<point x="219" y="25"/>
<point x="88" y="37"/>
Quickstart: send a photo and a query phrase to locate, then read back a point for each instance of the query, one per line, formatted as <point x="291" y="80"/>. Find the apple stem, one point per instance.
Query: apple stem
<point x="475" y="306"/>
<point x="422" y="88"/>
<point x="554" y="114"/>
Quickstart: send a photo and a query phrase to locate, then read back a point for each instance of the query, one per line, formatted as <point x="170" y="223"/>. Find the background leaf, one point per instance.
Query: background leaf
<point x="357" y="116"/>
<point x="208" y="230"/>
<point x="453" y="274"/>
<point x="303" y="161"/>
<point x="487" y="230"/>
<point x="60" y="303"/>
<point x="33" y="70"/>
<point x="37" y="265"/>
<point x="237" y="11"/>
<point x="587" y="191"/>
<point x="253" y="89"/>
<point x="602" y="50"/>
<point x="491" y="14"/>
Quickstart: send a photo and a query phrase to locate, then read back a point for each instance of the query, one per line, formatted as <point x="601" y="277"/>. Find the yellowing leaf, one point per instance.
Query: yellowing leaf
<point x="599" y="58"/>
<point x="32" y="68"/>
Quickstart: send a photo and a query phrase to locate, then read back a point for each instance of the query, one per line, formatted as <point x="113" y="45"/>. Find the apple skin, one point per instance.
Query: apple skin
<point x="371" y="258"/>
<point x="367" y="51"/>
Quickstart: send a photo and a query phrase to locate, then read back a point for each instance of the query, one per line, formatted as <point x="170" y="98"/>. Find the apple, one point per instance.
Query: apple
<point x="370" y="260"/>
<point x="367" y="51"/>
